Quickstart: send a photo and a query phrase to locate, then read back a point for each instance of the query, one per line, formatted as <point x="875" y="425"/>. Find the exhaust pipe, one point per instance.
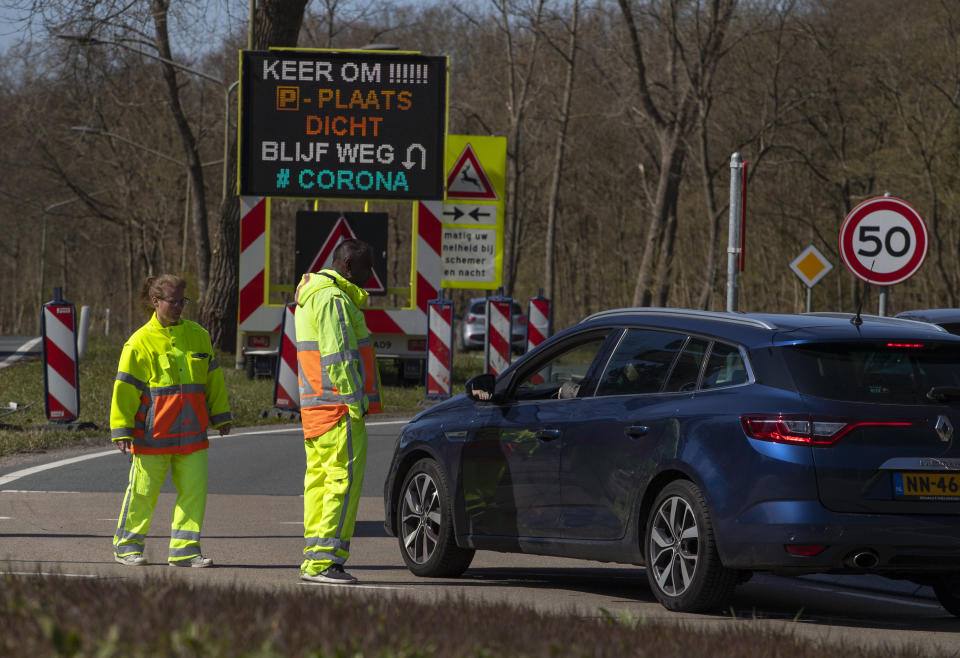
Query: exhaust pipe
<point x="867" y="559"/>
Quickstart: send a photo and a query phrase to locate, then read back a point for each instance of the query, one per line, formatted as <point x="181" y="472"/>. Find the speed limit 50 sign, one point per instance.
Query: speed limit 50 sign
<point x="883" y="241"/>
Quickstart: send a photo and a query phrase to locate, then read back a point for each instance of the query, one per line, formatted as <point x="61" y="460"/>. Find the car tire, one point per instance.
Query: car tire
<point x="948" y="594"/>
<point x="425" y="524"/>
<point x="682" y="562"/>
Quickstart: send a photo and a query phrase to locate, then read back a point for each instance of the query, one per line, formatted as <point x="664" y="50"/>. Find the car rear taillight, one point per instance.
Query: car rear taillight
<point x="471" y="318"/>
<point x="908" y="345"/>
<point x="521" y="320"/>
<point x="807" y="430"/>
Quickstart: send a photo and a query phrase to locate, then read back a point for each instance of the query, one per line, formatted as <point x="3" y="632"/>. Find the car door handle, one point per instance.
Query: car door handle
<point x="637" y="431"/>
<point x="548" y="435"/>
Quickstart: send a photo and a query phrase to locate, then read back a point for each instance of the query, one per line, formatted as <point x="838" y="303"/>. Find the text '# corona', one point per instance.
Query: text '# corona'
<point x="363" y="181"/>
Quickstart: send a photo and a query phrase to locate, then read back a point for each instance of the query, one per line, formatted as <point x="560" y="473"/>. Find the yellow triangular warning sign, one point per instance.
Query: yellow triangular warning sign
<point x="467" y="179"/>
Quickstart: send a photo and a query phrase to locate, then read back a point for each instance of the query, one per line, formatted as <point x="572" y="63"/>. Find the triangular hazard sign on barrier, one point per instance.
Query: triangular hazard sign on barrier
<point x="324" y="259"/>
<point x="468" y="180"/>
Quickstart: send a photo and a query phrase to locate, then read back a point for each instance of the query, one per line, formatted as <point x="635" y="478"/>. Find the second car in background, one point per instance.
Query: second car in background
<point x="473" y="329"/>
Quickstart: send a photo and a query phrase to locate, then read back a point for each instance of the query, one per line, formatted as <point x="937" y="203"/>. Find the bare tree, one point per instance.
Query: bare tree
<point x="691" y="35"/>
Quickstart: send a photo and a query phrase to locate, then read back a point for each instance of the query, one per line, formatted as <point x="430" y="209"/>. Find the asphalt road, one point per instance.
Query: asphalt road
<point x="58" y="513"/>
<point x="14" y="348"/>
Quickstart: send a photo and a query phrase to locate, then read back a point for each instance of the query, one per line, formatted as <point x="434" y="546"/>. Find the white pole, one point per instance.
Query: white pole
<point x="733" y="233"/>
<point x="82" y="331"/>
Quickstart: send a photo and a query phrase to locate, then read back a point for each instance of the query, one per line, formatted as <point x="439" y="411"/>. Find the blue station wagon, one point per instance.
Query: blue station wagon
<point x="703" y="446"/>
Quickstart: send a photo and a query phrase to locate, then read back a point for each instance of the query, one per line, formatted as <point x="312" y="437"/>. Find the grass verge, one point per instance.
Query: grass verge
<point x="58" y="616"/>
<point x="27" y="429"/>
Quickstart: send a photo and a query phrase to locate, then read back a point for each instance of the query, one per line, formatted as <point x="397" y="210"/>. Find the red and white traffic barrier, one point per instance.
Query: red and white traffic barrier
<point x="538" y="320"/>
<point x="286" y="382"/>
<point x="439" y="352"/>
<point x="499" y="333"/>
<point x="61" y="373"/>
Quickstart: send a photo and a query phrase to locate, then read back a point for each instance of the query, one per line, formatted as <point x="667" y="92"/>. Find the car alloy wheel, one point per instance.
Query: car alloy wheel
<point x="420" y="518"/>
<point x="425" y="524"/>
<point x="683" y="566"/>
<point x="674" y="546"/>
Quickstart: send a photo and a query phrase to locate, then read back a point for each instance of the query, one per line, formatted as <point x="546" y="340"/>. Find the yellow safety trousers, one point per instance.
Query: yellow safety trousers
<point x="331" y="493"/>
<point x="147" y="473"/>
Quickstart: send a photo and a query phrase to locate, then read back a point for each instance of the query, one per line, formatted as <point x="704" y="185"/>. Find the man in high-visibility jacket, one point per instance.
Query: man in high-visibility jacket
<point x="339" y="386"/>
<point x="169" y="388"/>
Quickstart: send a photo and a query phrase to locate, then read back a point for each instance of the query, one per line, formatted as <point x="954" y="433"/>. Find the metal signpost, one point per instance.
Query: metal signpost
<point x="883" y="241"/>
<point x="811" y="266"/>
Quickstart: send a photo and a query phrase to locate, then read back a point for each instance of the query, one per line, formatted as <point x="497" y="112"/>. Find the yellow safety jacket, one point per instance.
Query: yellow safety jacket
<point x="169" y="388"/>
<point x="337" y="371"/>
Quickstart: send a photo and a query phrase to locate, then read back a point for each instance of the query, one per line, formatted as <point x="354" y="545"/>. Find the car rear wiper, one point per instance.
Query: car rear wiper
<point x="944" y="393"/>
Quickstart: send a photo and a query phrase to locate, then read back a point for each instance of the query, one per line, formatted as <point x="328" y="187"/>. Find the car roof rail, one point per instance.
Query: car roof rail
<point x="719" y="316"/>
<point x="879" y="318"/>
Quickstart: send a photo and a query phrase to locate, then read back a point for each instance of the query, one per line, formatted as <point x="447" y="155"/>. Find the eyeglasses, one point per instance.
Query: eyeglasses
<point x="175" y="302"/>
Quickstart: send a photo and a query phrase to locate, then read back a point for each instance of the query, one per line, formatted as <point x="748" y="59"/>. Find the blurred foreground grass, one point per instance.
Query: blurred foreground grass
<point x="27" y="429"/>
<point x="160" y="616"/>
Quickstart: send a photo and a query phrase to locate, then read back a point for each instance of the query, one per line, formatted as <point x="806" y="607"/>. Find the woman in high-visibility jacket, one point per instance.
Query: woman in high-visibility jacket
<point x="339" y="385"/>
<point x="169" y="388"/>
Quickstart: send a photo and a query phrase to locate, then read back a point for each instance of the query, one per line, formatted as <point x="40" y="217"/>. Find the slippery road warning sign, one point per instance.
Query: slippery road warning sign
<point x="883" y="241"/>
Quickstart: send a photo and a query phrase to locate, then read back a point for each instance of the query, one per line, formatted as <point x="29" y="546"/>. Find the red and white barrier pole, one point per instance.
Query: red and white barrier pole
<point x="61" y="372"/>
<point x="538" y="320"/>
<point x="286" y="381"/>
<point x="439" y="347"/>
<point x="499" y="333"/>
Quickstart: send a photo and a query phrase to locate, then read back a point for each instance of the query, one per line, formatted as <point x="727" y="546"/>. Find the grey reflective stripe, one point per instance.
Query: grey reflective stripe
<point x="140" y="425"/>
<point x="189" y="535"/>
<point x="122" y="521"/>
<point x="331" y="398"/>
<point x="221" y="418"/>
<point x="324" y="555"/>
<point x="126" y="377"/>
<point x="307" y="346"/>
<point x="121" y="433"/>
<point x="157" y="391"/>
<point x="374" y="397"/>
<point x="346" y="498"/>
<point x="127" y="536"/>
<point x="340" y="357"/>
<point x="185" y="552"/>
<point x="363" y="342"/>
<point x="357" y="385"/>
<point x="214" y="364"/>
<point x="328" y="542"/>
<point x="149" y="442"/>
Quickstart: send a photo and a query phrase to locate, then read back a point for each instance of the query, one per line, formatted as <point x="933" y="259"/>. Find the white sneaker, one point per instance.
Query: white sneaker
<point x="197" y="562"/>
<point x="131" y="560"/>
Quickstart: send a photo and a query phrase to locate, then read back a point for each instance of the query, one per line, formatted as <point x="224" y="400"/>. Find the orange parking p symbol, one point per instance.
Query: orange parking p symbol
<point x="288" y="98"/>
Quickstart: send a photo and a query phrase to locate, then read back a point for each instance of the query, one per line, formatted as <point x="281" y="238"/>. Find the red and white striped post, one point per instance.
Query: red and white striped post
<point x="286" y="381"/>
<point x="538" y="320"/>
<point x="439" y="347"/>
<point x="61" y="372"/>
<point x="499" y="333"/>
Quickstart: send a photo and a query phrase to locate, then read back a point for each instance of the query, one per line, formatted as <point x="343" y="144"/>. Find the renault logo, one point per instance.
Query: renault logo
<point x="944" y="428"/>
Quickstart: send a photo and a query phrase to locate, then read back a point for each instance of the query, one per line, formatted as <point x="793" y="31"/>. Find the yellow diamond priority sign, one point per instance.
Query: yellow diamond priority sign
<point x="811" y="266"/>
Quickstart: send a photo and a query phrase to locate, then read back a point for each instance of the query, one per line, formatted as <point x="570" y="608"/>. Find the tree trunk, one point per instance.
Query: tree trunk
<point x="201" y="233"/>
<point x="551" y="233"/>
<point x="277" y="23"/>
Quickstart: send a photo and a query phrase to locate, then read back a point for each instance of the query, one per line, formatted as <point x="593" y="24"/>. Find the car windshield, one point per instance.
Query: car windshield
<point x="886" y="372"/>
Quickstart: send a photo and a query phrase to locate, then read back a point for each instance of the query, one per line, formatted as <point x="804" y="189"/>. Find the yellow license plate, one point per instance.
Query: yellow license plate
<point x="926" y="485"/>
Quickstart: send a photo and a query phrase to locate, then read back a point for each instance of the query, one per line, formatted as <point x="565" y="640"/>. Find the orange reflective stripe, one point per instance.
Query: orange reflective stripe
<point x="371" y="383"/>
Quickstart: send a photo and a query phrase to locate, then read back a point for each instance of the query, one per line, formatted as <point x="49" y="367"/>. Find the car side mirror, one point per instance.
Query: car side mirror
<point x="481" y="387"/>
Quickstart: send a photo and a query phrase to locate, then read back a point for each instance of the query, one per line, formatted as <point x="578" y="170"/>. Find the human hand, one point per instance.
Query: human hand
<point x="480" y="394"/>
<point x="225" y="429"/>
<point x="123" y="445"/>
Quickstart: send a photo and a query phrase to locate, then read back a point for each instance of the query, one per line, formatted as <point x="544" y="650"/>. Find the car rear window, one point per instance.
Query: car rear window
<point x="885" y="372"/>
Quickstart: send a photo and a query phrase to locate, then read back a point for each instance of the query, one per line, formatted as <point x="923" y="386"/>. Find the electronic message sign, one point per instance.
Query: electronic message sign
<point x="345" y="124"/>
